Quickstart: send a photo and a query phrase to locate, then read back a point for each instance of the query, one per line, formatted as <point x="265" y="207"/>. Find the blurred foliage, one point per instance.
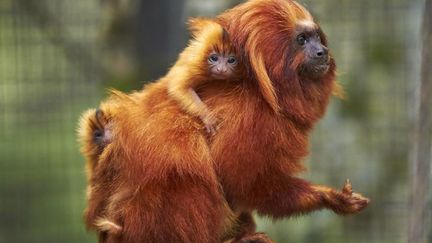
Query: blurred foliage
<point x="58" y="57"/>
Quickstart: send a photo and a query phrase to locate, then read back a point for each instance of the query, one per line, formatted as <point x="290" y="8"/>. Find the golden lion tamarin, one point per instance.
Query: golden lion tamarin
<point x="95" y="135"/>
<point x="208" y="57"/>
<point x="170" y="183"/>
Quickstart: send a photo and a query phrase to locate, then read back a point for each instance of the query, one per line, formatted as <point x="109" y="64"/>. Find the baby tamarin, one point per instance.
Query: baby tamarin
<point x="208" y="57"/>
<point x="96" y="134"/>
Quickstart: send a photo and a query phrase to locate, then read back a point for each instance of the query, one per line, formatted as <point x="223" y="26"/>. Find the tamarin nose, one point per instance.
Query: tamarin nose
<point x="321" y="52"/>
<point x="221" y="70"/>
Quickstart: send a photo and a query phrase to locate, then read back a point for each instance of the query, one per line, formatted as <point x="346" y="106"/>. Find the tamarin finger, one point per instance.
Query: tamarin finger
<point x="347" y="189"/>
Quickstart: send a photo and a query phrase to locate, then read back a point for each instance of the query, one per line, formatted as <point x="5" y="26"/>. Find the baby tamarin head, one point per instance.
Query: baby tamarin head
<point x="222" y="60"/>
<point x="221" y="65"/>
<point x="215" y="50"/>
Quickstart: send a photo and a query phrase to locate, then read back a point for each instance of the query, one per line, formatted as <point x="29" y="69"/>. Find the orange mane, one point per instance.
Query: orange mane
<point x="262" y="37"/>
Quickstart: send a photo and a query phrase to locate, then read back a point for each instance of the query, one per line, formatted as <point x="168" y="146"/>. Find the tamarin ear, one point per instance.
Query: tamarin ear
<point x="196" y="25"/>
<point x="265" y="84"/>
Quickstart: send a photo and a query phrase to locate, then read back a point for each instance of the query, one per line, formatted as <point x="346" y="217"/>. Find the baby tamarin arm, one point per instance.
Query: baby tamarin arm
<point x="182" y="90"/>
<point x="209" y="57"/>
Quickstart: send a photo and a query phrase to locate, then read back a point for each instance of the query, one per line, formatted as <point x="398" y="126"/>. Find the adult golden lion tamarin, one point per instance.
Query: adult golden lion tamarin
<point x="165" y="180"/>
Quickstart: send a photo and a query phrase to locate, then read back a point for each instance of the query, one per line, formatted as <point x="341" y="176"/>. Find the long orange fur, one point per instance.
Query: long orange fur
<point x="171" y="183"/>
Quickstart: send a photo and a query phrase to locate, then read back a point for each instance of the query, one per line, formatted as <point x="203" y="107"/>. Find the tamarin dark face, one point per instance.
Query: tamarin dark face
<point x="310" y="40"/>
<point x="221" y="65"/>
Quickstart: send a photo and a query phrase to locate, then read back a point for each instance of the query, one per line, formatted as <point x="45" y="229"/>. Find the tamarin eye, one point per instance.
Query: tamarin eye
<point x="98" y="134"/>
<point x="301" y="39"/>
<point x="213" y="58"/>
<point x="232" y="60"/>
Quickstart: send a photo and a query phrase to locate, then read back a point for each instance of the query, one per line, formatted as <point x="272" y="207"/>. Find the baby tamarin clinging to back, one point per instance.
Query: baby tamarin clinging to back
<point x="95" y="134"/>
<point x="208" y="57"/>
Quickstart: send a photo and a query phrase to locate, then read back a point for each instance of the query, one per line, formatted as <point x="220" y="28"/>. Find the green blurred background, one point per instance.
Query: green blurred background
<point x="58" y="57"/>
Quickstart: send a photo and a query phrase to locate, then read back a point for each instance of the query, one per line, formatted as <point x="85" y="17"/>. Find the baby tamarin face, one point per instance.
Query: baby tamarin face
<point x="221" y="65"/>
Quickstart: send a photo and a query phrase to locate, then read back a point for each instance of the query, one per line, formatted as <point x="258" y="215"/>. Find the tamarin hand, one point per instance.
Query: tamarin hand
<point x="210" y="123"/>
<point x="346" y="201"/>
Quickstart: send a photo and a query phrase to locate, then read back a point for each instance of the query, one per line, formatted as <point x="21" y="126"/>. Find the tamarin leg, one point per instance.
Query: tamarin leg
<point x="245" y="231"/>
<point x="295" y="196"/>
<point x="245" y="225"/>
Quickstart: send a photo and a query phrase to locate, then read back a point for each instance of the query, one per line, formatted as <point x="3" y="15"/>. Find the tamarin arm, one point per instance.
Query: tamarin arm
<point x="181" y="87"/>
<point x="296" y="196"/>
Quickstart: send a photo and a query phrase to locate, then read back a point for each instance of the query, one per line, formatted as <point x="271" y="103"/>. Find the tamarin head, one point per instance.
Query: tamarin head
<point x="311" y="43"/>
<point x="95" y="133"/>
<point x="222" y="65"/>
<point x="285" y="53"/>
<point x="213" y="48"/>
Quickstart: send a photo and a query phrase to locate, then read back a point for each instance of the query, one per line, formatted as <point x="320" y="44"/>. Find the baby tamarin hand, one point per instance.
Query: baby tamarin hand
<point x="209" y="123"/>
